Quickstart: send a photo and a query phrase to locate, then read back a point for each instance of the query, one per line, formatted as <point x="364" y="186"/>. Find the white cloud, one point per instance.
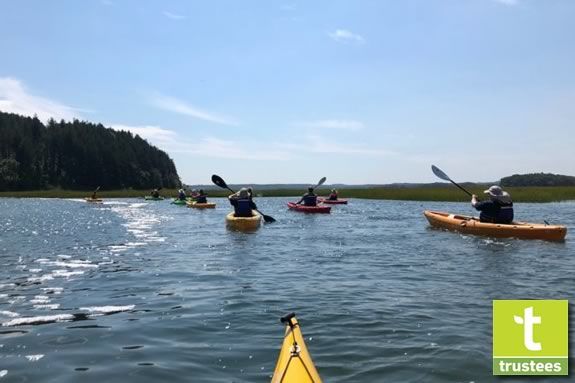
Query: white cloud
<point x="345" y="36"/>
<point x="14" y="98"/>
<point x="173" y="16"/>
<point x="320" y="144"/>
<point x="218" y="148"/>
<point x="508" y="2"/>
<point x="154" y="134"/>
<point x="331" y="124"/>
<point x="175" y="105"/>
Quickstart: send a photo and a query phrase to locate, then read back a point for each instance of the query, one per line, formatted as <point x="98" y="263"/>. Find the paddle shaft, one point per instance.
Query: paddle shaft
<point x="461" y="187"/>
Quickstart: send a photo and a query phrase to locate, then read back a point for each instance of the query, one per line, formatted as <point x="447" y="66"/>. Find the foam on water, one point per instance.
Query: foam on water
<point x="38" y="320"/>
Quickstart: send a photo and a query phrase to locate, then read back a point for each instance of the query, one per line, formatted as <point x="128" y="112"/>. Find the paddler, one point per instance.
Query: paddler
<point x="200" y="197"/>
<point x="333" y="195"/>
<point x="309" y="198"/>
<point x="499" y="207"/>
<point x="155" y="193"/>
<point x="181" y="195"/>
<point x="242" y="203"/>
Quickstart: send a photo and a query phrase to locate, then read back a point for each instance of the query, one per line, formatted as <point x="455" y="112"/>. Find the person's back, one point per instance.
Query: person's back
<point x="498" y="209"/>
<point x="309" y="198"/>
<point x="242" y="203"/>
<point x="201" y="197"/>
<point x="181" y="194"/>
<point x="155" y="193"/>
<point x="333" y="195"/>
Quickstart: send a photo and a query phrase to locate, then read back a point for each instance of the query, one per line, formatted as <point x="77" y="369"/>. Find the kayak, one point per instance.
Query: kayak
<point x="309" y="209"/>
<point x="93" y="200"/>
<point x="333" y="201"/>
<point x="471" y="225"/>
<point x="294" y="362"/>
<point x="152" y="198"/>
<point x="197" y="205"/>
<point x="244" y="223"/>
<point x="177" y="201"/>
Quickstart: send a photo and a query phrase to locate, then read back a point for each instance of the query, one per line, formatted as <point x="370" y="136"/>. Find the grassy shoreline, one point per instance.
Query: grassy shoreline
<point x="443" y="193"/>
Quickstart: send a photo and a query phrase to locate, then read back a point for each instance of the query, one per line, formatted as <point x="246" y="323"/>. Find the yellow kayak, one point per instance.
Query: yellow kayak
<point x="294" y="363"/>
<point x="197" y="205"/>
<point x="93" y="200"/>
<point x="244" y="223"/>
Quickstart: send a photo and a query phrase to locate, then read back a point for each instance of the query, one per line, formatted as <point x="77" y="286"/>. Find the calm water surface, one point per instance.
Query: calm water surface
<point x="134" y="291"/>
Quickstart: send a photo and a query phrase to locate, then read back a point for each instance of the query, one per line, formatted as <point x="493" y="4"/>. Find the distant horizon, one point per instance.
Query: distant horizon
<point x="280" y="92"/>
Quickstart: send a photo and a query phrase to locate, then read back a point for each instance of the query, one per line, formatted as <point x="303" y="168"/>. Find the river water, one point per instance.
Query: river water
<point x="134" y="291"/>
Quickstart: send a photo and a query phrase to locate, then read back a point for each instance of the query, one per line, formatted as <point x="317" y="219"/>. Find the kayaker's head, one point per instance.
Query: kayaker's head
<point x="333" y="191"/>
<point x="243" y="193"/>
<point x="497" y="194"/>
<point x="201" y="191"/>
<point x="310" y="189"/>
<point x="251" y="191"/>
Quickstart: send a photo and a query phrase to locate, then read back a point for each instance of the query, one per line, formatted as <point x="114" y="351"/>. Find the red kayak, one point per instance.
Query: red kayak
<point x="309" y="209"/>
<point x="333" y="201"/>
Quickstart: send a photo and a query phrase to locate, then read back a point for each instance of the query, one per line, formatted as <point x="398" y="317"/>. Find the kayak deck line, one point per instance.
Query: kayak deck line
<point x="294" y="362"/>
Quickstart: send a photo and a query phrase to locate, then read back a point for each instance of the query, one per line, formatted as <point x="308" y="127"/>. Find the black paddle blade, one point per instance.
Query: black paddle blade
<point x="321" y="182"/>
<point x="218" y="181"/>
<point x="440" y="173"/>
<point x="268" y="219"/>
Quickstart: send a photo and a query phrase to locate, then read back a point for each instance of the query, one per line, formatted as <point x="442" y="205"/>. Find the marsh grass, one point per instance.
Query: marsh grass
<point x="423" y="193"/>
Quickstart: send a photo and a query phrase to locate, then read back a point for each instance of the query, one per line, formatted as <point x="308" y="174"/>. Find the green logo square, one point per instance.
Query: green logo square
<point x="530" y="337"/>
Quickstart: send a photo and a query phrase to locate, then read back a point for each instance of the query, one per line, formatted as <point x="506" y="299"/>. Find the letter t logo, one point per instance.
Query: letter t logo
<point x="528" y="321"/>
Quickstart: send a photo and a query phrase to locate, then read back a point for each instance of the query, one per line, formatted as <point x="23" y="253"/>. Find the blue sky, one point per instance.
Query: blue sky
<point x="363" y="91"/>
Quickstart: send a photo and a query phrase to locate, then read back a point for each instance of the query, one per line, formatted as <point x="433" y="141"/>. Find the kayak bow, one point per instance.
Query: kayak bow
<point x="294" y="362"/>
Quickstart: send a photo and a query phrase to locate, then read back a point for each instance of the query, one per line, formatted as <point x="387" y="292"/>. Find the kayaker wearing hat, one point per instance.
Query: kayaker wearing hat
<point x="181" y="195"/>
<point x="309" y="198"/>
<point x="333" y="195"/>
<point x="498" y="209"/>
<point x="242" y="203"/>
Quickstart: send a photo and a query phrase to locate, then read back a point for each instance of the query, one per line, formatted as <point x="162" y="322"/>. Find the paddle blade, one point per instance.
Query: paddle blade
<point x="268" y="219"/>
<point x="218" y="181"/>
<point x="321" y="182"/>
<point x="440" y="173"/>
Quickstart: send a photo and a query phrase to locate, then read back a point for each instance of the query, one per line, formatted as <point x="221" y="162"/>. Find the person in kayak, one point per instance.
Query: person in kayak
<point x="498" y="209"/>
<point x="155" y="193"/>
<point x="333" y="195"/>
<point x="309" y="198"/>
<point x="181" y="195"/>
<point x="242" y="203"/>
<point x="201" y="197"/>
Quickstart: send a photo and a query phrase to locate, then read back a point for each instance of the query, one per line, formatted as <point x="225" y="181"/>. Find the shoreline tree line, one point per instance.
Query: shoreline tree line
<point x="78" y="155"/>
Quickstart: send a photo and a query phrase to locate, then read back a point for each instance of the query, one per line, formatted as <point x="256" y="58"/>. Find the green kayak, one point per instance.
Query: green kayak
<point x="177" y="201"/>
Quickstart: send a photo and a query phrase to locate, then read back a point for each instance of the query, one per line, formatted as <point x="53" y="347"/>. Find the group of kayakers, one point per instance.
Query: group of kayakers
<point x="497" y="209"/>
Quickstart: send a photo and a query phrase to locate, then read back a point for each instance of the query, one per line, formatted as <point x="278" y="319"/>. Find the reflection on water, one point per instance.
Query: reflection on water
<point x="134" y="291"/>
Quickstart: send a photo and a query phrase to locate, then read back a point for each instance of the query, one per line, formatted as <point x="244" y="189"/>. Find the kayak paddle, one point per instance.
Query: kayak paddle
<point x="439" y="173"/>
<point x="218" y="181"/>
<point x="321" y="182"/>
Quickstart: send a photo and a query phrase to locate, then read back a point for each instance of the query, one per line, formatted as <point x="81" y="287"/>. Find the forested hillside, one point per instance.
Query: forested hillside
<point x="78" y="155"/>
<point x="538" y="179"/>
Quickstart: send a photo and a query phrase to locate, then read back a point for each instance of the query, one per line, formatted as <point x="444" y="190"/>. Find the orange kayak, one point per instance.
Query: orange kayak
<point x="471" y="225"/>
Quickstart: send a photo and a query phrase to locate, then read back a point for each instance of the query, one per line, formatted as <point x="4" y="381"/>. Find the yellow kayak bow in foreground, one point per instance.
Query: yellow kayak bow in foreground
<point x="294" y="363"/>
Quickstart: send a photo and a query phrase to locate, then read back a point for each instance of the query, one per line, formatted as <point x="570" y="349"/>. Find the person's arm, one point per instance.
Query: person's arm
<point x="301" y="200"/>
<point x="474" y="200"/>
